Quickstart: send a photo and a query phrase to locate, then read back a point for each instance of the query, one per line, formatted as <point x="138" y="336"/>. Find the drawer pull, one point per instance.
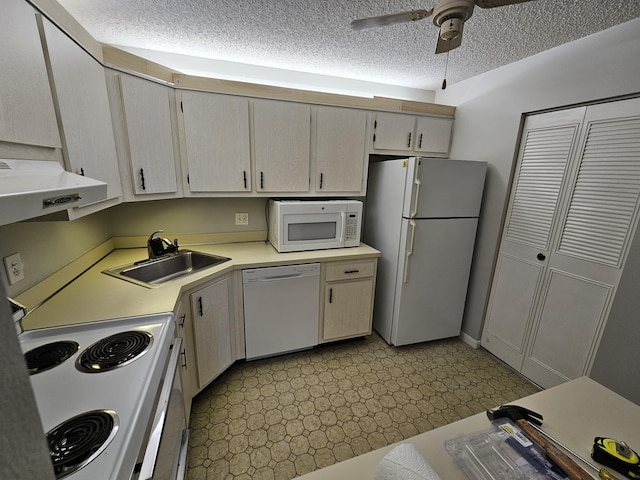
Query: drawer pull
<point x="200" y="309"/>
<point x="331" y="295"/>
<point x="351" y="271"/>
<point x="182" y="319"/>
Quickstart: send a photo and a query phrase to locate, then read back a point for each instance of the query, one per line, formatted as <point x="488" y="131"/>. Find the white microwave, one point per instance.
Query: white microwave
<point x="297" y="225"/>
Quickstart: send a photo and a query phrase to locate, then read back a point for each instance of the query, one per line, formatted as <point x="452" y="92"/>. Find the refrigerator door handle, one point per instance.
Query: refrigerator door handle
<point x="417" y="182"/>
<point x="410" y="252"/>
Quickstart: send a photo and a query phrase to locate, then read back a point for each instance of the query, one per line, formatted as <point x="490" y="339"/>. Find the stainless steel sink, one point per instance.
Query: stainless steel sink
<point x="154" y="272"/>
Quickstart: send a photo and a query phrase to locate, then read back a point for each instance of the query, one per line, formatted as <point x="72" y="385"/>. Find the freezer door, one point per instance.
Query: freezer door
<point x="445" y="188"/>
<point x="433" y="274"/>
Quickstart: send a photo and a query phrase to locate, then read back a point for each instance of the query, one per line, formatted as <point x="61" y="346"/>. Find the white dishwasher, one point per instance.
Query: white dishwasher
<point x="281" y="308"/>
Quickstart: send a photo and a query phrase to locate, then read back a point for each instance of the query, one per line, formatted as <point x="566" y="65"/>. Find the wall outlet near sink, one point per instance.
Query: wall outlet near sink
<point x="242" y="219"/>
<point x="14" y="267"/>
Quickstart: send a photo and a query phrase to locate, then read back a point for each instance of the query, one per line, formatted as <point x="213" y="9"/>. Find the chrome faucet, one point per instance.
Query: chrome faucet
<point x="157" y="246"/>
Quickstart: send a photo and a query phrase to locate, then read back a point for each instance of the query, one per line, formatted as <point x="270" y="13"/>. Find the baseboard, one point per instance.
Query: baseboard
<point x="469" y="340"/>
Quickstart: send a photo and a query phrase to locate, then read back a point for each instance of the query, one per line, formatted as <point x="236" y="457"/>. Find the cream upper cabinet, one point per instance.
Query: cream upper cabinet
<point x="82" y="104"/>
<point x="216" y="143"/>
<point x="393" y="131"/>
<point x="148" y="138"/>
<point x="433" y="135"/>
<point x="340" y="150"/>
<point x="282" y="136"/>
<point x="411" y="134"/>
<point x="27" y="115"/>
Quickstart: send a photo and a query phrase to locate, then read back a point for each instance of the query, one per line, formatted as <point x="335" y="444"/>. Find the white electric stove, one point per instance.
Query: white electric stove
<point x="98" y="387"/>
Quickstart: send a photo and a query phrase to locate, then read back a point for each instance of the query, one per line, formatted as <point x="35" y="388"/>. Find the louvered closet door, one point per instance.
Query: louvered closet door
<point x="547" y="146"/>
<point x="599" y="218"/>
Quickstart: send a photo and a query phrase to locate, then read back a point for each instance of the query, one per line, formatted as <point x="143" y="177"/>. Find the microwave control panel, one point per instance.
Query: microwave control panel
<point x="351" y="227"/>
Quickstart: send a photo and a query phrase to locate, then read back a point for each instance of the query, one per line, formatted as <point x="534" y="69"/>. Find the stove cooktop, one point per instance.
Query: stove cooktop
<point x="105" y="386"/>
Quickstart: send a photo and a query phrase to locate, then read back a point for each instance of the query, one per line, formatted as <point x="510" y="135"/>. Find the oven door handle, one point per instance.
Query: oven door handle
<point x="153" y="445"/>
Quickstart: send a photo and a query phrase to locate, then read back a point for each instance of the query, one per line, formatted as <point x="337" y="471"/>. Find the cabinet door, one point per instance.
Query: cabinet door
<point x="83" y="107"/>
<point x="347" y="309"/>
<point x="433" y="135"/>
<point x="149" y="134"/>
<point x="189" y="371"/>
<point x="216" y="135"/>
<point x="340" y="149"/>
<point x="282" y="136"/>
<point x="210" y="311"/>
<point x="393" y="131"/>
<point x="27" y="115"/>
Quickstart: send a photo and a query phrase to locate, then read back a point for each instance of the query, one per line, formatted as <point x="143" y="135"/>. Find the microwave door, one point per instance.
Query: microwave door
<point x="312" y="231"/>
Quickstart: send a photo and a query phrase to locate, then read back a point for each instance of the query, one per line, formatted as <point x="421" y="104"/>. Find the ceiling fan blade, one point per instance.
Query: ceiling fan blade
<point x="497" y="3"/>
<point x="391" y="19"/>
<point x="444" y="46"/>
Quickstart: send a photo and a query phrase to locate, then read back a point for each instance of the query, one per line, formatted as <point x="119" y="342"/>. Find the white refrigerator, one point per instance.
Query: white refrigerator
<point x="422" y="214"/>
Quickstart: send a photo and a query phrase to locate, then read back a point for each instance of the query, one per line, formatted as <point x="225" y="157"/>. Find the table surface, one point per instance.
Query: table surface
<point x="574" y="413"/>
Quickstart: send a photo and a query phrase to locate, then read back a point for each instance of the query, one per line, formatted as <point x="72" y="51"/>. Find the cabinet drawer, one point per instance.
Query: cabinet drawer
<point x="348" y="270"/>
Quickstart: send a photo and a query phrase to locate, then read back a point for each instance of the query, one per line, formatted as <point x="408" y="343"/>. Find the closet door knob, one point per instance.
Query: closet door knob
<point x="540" y="256"/>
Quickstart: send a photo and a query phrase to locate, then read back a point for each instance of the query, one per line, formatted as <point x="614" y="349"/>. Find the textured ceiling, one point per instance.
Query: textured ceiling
<point x="314" y="36"/>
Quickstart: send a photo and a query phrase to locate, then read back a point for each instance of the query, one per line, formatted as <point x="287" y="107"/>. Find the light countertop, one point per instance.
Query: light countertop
<point x="95" y="296"/>
<point x="574" y="413"/>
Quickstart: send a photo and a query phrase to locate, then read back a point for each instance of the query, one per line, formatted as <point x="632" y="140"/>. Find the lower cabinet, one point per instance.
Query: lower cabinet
<point x="348" y="299"/>
<point x="188" y="370"/>
<point x="211" y="330"/>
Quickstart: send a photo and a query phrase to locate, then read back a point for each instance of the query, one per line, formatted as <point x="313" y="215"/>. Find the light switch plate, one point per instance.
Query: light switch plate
<point x="14" y="267"/>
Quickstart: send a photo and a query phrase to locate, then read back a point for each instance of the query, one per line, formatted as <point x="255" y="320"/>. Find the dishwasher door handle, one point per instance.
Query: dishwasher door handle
<point x="275" y="277"/>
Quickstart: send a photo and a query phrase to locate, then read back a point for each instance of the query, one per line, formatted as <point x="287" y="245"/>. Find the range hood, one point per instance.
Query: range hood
<point x="31" y="188"/>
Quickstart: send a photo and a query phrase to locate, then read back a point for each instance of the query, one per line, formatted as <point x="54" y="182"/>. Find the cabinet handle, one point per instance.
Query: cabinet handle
<point x="200" y="310"/>
<point x="331" y="295"/>
<point x="420" y="141"/>
<point x="261" y="180"/>
<point x="182" y="319"/>
<point x="351" y="271"/>
<point x="540" y="256"/>
<point x="82" y="171"/>
<point x="142" y="179"/>
<point x="184" y="358"/>
<point x="409" y="140"/>
<point x="244" y="177"/>
<point x="321" y="179"/>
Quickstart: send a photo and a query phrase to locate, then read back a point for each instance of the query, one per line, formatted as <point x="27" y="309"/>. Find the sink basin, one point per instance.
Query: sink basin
<point x="154" y="272"/>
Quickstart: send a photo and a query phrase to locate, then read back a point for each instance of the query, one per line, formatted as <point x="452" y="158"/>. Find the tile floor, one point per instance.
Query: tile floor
<point x="285" y="416"/>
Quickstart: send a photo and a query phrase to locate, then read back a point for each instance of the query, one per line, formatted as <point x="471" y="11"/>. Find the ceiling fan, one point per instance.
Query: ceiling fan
<point x="448" y="15"/>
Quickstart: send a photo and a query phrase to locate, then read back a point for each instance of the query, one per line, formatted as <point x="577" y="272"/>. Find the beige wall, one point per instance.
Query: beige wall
<point x="186" y="215"/>
<point x="45" y="247"/>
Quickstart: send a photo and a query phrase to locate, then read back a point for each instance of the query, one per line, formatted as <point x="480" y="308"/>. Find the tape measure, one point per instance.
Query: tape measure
<point x="616" y="455"/>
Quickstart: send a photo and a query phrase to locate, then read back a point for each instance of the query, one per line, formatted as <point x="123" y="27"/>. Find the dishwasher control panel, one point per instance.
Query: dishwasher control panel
<point x="252" y="275"/>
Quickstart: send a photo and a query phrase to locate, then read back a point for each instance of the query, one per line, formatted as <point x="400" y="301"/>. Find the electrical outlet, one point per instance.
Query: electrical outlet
<point x="14" y="268"/>
<point x="242" y="219"/>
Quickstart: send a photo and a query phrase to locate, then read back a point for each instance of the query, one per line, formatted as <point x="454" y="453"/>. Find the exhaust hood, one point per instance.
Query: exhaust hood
<point x="31" y="188"/>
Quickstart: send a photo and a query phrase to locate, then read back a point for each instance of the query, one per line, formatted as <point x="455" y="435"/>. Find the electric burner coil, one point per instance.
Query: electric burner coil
<point x="114" y="351"/>
<point x="50" y="355"/>
<point x="77" y="441"/>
